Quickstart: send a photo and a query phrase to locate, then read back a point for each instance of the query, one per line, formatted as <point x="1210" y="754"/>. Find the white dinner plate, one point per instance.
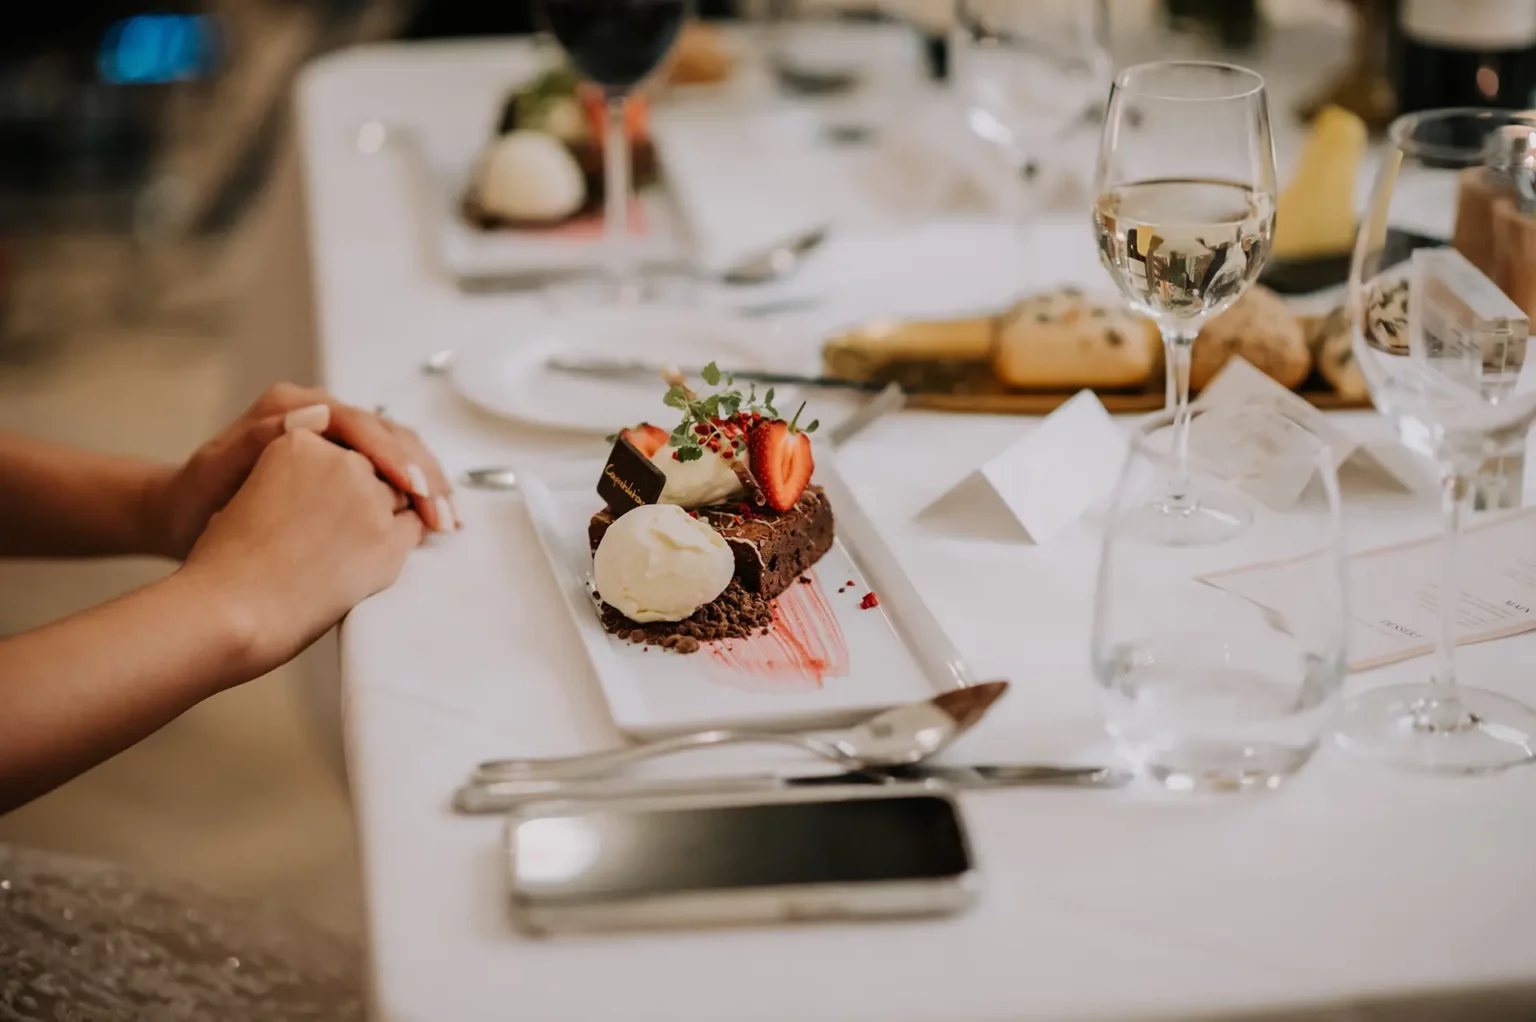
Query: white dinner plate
<point x="827" y="661"/>
<point x="505" y="373"/>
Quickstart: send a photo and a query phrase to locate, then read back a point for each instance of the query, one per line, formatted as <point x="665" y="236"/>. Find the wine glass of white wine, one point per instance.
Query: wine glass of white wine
<point x="1183" y="220"/>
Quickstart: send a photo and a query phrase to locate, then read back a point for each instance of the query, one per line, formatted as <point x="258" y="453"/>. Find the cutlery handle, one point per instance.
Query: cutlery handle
<point x="480" y="797"/>
<point x="1049" y="775"/>
<point x="607" y="761"/>
<point x="476" y="797"/>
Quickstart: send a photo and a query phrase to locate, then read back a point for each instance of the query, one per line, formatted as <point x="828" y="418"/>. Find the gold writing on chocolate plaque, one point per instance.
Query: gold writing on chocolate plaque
<point x="628" y="490"/>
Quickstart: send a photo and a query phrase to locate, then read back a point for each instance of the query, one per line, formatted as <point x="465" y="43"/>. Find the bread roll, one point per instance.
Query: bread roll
<point x="1333" y="348"/>
<point x="1064" y="340"/>
<point x="1262" y="330"/>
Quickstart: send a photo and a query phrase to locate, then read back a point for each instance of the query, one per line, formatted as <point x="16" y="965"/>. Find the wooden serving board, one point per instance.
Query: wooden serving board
<point x="1004" y="402"/>
<point x="945" y="365"/>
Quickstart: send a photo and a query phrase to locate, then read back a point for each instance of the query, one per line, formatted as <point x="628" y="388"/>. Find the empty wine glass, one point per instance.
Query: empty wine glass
<point x="1441" y="340"/>
<point x="1202" y="686"/>
<point x="1027" y="71"/>
<point x="617" y="44"/>
<point x="1183" y="218"/>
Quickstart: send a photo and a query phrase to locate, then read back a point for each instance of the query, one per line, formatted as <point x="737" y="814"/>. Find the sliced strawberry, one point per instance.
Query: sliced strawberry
<point x="647" y="439"/>
<point x="781" y="461"/>
<point x="636" y="112"/>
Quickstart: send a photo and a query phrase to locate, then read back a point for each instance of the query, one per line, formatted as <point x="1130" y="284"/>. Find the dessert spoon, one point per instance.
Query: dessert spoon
<point x="777" y="261"/>
<point x="902" y="735"/>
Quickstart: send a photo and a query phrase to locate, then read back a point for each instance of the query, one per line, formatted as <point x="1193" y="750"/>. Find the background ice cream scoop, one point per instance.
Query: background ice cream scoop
<point x="706" y="480"/>
<point x="528" y="175"/>
<point x="658" y="563"/>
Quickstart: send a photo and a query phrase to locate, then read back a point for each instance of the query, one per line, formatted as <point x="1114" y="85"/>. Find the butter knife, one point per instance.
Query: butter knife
<point x="476" y="797"/>
<point x="624" y="369"/>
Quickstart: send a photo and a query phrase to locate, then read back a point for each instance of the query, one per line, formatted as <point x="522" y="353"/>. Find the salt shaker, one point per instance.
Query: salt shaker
<point x="1511" y="159"/>
<point x="1481" y="188"/>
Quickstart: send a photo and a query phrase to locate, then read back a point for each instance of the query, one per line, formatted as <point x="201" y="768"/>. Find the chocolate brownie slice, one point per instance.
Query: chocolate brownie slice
<point x="772" y="548"/>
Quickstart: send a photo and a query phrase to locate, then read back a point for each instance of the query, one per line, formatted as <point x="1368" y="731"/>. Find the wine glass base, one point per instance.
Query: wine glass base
<point x="1195" y="521"/>
<point x="649" y="288"/>
<point x="1389" y="725"/>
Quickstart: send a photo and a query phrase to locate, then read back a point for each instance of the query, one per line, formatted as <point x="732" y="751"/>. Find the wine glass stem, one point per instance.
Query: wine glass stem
<point x="616" y="192"/>
<point x="1177" y="345"/>
<point x="1443" y="709"/>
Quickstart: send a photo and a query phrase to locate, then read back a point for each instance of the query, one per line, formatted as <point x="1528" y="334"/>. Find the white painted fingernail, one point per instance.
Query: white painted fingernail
<point x="418" y="480"/>
<point x="445" y="519"/>
<point x="314" y="418"/>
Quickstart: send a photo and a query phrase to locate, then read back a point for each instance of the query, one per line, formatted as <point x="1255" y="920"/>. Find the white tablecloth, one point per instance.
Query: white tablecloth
<point x="1351" y="883"/>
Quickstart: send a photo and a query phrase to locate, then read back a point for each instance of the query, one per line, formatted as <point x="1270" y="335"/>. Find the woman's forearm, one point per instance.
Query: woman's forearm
<point x="78" y="691"/>
<point x="61" y="502"/>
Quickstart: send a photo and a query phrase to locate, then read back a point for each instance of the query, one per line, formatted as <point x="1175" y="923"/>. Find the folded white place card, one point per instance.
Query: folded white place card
<point x="1394" y="591"/>
<point x="1249" y="432"/>
<point x="1050" y="476"/>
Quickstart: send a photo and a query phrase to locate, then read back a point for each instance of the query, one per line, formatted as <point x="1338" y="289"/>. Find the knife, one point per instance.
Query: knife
<point x="526" y="281"/>
<point x="622" y="369"/>
<point x="477" y="797"/>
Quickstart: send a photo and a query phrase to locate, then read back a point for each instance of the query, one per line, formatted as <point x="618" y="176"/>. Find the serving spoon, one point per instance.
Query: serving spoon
<point x="896" y="737"/>
<point x="776" y="261"/>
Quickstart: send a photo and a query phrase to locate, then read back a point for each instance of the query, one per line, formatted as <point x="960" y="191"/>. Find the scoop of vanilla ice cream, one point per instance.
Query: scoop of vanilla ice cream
<point x="706" y="480"/>
<point x="529" y="175"/>
<point x="658" y="563"/>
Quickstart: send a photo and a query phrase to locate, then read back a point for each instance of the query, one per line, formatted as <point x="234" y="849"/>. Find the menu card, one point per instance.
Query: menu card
<point x="1394" y="591"/>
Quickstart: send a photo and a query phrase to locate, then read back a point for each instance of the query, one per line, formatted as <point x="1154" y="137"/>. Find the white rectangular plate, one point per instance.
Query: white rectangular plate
<point x="826" y="663"/>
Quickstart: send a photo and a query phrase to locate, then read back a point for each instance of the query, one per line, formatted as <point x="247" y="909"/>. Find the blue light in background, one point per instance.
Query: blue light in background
<point x="157" y="48"/>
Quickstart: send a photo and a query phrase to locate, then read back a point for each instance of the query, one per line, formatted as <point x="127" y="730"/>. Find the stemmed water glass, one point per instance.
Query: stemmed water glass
<point x="617" y="44"/>
<point x="1441" y="341"/>
<point x="1210" y="678"/>
<point x="1183" y="220"/>
<point x="1026" y="72"/>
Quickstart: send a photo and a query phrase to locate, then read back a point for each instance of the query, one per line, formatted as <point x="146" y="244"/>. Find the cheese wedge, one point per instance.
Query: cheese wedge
<point x="1315" y="215"/>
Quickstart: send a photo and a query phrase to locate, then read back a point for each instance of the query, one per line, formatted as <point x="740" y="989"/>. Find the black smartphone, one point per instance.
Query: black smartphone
<point x="707" y="860"/>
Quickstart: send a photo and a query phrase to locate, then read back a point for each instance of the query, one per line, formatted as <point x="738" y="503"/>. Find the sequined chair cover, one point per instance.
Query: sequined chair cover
<point x="87" y="941"/>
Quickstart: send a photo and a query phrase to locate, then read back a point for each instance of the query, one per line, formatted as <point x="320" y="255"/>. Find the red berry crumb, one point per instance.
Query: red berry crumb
<point x="849" y="582"/>
<point x="870" y="600"/>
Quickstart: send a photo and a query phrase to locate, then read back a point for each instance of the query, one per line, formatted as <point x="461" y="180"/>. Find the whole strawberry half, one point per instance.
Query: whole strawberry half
<point x="780" y="455"/>
<point x="647" y="439"/>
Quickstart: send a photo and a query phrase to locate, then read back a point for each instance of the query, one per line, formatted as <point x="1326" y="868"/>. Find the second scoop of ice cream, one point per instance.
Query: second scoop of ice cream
<point x="659" y="563"/>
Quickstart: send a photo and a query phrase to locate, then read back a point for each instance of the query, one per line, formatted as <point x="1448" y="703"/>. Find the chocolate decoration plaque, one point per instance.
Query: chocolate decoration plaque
<point x="629" y="479"/>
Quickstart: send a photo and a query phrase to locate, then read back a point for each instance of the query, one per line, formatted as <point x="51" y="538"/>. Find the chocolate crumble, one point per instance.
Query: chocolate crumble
<point x="734" y="614"/>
